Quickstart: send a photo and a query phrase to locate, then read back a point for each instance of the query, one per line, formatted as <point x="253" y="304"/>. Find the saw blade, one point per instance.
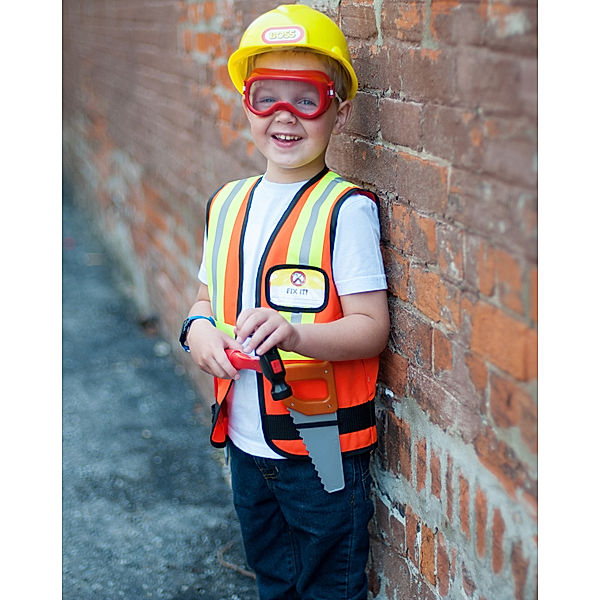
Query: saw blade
<point x="321" y="437"/>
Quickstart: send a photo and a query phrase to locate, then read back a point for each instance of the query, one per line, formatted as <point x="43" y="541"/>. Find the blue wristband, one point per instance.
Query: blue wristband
<point x="185" y="328"/>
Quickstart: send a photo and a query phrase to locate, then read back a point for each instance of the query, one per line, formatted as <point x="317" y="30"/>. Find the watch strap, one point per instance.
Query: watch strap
<point x="185" y="328"/>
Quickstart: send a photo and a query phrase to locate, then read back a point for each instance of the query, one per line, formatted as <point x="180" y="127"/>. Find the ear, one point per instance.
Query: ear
<point x="342" y="115"/>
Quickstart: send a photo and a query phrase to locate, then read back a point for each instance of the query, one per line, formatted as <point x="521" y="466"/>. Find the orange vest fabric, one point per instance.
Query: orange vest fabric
<point x="301" y="247"/>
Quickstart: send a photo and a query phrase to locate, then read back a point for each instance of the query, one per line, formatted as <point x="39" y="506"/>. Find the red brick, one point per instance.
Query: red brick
<point x="436" y="299"/>
<point x="422" y="183"/>
<point x="426" y="285"/>
<point x="442" y="352"/>
<point x="208" y="10"/>
<point x="506" y="342"/>
<point x="363" y="117"/>
<point x="451" y="252"/>
<point x="365" y="162"/>
<point x="399" y="234"/>
<point x="401" y="122"/>
<point x="412" y="337"/>
<point x="424" y="242"/>
<point x="509" y="278"/>
<point x="505" y="402"/>
<point x="463" y="505"/>
<point x="519" y="567"/>
<point x="433" y="399"/>
<point x="481" y="520"/>
<point x="393" y="372"/>
<point x="443" y="565"/>
<point x="449" y="489"/>
<point x="398" y="576"/>
<point x="381" y="557"/>
<point x="374" y="577"/>
<point x="503" y="213"/>
<point x="487" y="79"/>
<point x="512" y="28"/>
<point x="155" y="219"/>
<point x="453" y="563"/>
<point x="428" y="75"/>
<point x="187" y="40"/>
<point x="397" y="441"/>
<point x="533" y="294"/>
<point x="193" y="13"/>
<point x="403" y="20"/>
<point x="456" y="23"/>
<point x="511" y="406"/>
<point x="454" y="134"/>
<point x="501" y="460"/>
<point x="413" y="234"/>
<point x="358" y="21"/>
<point x="398" y="535"/>
<point x="396" y="270"/>
<point x="528" y="88"/>
<point x="467" y="581"/>
<point x="371" y="63"/>
<point x="481" y="271"/>
<point x="412" y="523"/>
<point x="436" y="474"/>
<point x="510" y="151"/>
<point x="381" y="518"/>
<point x="427" y="554"/>
<point x="421" y="463"/>
<point x="477" y="372"/>
<point x="208" y="42"/>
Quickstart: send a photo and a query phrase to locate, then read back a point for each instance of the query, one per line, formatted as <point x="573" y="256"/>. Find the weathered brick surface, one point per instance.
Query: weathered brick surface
<point x="444" y="129"/>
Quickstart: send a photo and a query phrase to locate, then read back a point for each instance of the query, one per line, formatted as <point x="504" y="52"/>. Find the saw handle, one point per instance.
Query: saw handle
<point x="271" y="366"/>
<point x="274" y="371"/>
<point x="241" y="360"/>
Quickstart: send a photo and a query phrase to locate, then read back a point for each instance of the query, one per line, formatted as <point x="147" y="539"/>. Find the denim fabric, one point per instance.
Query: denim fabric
<point x="302" y="542"/>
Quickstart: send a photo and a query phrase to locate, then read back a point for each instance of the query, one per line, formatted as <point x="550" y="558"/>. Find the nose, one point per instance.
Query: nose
<point x="285" y="116"/>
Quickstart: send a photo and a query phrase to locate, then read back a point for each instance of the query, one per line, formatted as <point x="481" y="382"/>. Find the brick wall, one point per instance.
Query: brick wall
<point x="444" y="130"/>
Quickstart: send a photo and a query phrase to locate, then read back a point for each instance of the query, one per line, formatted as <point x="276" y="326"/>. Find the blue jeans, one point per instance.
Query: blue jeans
<point x="302" y="542"/>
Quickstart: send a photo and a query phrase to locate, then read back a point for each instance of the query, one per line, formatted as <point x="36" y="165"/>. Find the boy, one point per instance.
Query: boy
<point x="292" y="261"/>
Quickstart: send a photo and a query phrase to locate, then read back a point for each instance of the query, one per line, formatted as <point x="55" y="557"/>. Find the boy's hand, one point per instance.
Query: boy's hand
<point x="266" y="328"/>
<point x="207" y="346"/>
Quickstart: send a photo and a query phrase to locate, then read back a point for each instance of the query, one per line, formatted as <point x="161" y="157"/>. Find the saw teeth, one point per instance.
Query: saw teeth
<point x="288" y="138"/>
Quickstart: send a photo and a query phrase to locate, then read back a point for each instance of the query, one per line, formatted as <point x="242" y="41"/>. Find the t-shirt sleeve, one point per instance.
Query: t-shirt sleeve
<point x="357" y="262"/>
<point x="202" y="276"/>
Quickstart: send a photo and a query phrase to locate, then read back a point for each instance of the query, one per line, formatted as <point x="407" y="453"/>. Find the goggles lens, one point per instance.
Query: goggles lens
<point x="307" y="94"/>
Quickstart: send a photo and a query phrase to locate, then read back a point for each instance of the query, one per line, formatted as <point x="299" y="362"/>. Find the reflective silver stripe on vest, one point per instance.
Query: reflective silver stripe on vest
<point x="312" y="221"/>
<point x="305" y="246"/>
<point x="223" y="212"/>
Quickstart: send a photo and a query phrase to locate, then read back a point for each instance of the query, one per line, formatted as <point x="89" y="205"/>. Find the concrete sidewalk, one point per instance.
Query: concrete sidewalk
<point x="147" y="509"/>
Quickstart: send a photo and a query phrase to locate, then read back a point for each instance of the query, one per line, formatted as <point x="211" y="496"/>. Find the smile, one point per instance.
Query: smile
<point x="286" y="138"/>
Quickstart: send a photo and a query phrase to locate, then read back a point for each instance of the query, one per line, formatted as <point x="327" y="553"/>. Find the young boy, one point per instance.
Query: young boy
<point x="292" y="261"/>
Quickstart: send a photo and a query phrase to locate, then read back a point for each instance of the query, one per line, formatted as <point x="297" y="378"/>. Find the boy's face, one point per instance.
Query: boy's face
<point x="294" y="146"/>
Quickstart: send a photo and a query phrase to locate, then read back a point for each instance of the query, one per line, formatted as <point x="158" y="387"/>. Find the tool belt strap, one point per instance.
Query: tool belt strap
<point x="354" y="418"/>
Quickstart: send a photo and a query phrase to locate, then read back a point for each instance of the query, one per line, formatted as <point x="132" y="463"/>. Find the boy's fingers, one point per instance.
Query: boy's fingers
<point x="246" y="323"/>
<point x="260" y="336"/>
<point x="233" y="344"/>
<point x="226" y="369"/>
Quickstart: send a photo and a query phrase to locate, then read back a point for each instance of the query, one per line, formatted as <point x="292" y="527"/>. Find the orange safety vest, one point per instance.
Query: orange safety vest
<point x="296" y="264"/>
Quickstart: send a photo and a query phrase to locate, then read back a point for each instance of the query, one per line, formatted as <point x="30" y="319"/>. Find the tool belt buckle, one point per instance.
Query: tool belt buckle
<point x="307" y="371"/>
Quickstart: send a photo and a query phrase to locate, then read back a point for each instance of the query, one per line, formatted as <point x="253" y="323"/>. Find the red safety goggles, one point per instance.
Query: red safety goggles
<point x="307" y="94"/>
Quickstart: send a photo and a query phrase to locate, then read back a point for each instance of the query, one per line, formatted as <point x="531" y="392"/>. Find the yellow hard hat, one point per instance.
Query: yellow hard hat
<point x="291" y="26"/>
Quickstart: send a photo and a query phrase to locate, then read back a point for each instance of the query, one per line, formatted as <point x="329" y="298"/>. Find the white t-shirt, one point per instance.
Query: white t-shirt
<point x="357" y="267"/>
